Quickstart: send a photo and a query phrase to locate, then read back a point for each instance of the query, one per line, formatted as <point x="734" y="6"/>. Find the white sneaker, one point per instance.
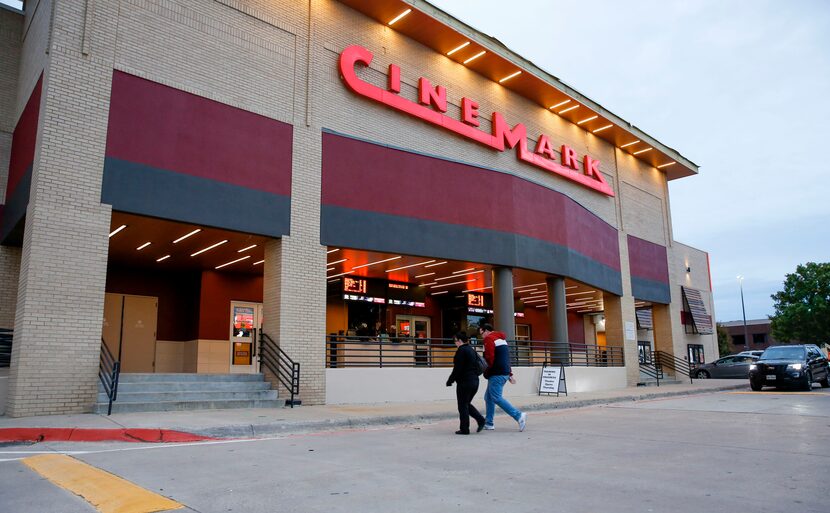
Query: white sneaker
<point x="489" y="427"/>
<point x="522" y="422"/>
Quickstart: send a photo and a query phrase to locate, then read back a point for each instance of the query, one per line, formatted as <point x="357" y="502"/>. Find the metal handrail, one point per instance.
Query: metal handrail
<point x="353" y="351"/>
<point x="678" y="365"/>
<point x="277" y="361"/>
<point x="652" y="369"/>
<point x="109" y="371"/>
<point x="6" y="336"/>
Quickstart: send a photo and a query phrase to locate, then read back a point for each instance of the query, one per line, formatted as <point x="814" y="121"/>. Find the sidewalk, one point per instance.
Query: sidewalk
<point x="255" y="422"/>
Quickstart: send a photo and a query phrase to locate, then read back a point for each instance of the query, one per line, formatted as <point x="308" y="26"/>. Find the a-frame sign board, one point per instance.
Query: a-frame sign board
<point x="553" y="379"/>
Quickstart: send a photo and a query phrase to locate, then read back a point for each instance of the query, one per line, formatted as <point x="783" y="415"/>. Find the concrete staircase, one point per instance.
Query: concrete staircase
<point x="179" y="392"/>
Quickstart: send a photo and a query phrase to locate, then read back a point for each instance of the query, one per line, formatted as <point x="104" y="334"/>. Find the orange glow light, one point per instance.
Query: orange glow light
<point x="398" y="17"/>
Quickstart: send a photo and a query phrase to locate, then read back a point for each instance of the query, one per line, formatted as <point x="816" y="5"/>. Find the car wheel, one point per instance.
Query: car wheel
<point x="702" y="375"/>
<point x="808" y="383"/>
<point x="755" y="386"/>
<point x="825" y="383"/>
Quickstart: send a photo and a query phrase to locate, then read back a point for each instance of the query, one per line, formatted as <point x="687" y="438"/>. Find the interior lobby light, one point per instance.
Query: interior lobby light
<point x="398" y="17"/>
<point x="118" y="229"/>
<point x="457" y="48"/>
<point x="183" y="237"/>
<point x="246" y="249"/>
<point x="587" y="120"/>
<point x="600" y="129"/>
<point x="375" y="263"/>
<point x="232" y="262"/>
<point x="143" y="246"/>
<point x="508" y="77"/>
<point x="560" y="104"/>
<point x="165" y="257"/>
<point x="408" y="266"/>
<point x="626" y="145"/>
<point x="643" y="151"/>
<point x="209" y="248"/>
<point x="568" y="109"/>
<point x="476" y="56"/>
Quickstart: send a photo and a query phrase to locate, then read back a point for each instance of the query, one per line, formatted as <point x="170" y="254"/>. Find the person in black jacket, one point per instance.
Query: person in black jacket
<point x="465" y="374"/>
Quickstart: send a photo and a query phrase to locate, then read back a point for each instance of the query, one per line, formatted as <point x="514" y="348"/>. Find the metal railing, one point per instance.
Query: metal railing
<point x="652" y="369"/>
<point x="678" y="365"/>
<point x="109" y="370"/>
<point x="286" y="370"/>
<point x="353" y="351"/>
<point x="6" y="336"/>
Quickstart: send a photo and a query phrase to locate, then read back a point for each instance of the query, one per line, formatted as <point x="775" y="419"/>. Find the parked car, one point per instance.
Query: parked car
<point x="734" y="366"/>
<point x="754" y="352"/>
<point x="799" y="365"/>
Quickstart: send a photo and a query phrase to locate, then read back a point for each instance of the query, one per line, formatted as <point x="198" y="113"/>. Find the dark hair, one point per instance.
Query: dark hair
<point x="461" y="336"/>
<point x="485" y="326"/>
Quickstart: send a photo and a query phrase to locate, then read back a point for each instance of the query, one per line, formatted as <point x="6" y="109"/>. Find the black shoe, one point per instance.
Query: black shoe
<point x="480" y="427"/>
<point x="459" y="432"/>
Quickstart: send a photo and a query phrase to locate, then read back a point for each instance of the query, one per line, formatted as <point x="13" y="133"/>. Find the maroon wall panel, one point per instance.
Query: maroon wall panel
<point x="217" y="292"/>
<point x="417" y="186"/>
<point x="648" y="260"/>
<point x="24" y="140"/>
<point x="169" y="129"/>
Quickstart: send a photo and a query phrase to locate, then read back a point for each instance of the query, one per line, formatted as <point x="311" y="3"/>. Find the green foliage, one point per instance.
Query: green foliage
<point x="802" y="309"/>
<point x="723" y="341"/>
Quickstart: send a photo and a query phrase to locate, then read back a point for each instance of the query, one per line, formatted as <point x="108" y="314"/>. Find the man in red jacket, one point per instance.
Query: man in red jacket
<point x="497" y="354"/>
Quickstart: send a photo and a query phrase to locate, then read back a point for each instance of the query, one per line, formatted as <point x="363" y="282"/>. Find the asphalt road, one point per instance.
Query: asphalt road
<point x="759" y="452"/>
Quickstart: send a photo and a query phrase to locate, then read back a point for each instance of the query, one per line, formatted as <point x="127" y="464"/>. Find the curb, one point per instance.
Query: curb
<point x="287" y="428"/>
<point x="97" y="435"/>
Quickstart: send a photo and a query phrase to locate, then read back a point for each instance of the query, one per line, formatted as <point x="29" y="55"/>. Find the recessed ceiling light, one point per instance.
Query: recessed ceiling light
<point x="398" y="17"/>
<point x="259" y="262"/>
<point x="587" y="120"/>
<point x="252" y="246"/>
<point x="408" y="266"/>
<point x="332" y="251"/>
<point x="165" y="257"/>
<point x="568" y="109"/>
<point x="626" y="145"/>
<point x="118" y="229"/>
<point x="209" y="248"/>
<point x="423" y="275"/>
<point x="436" y="264"/>
<point x="440" y="292"/>
<point x="476" y="56"/>
<point x="600" y="129"/>
<point x="667" y="165"/>
<point x="337" y="261"/>
<point x="375" y="263"/>
<point x="143" y="246"/>
<point x="232" y="262"/>
<point x="457" y="48"/>
<point x="508" y="77"/>
<point x="559" y="104"/>
<point x="183" y="237"/>
<point x="642" y="151"/>
<point x="453" y="283"/>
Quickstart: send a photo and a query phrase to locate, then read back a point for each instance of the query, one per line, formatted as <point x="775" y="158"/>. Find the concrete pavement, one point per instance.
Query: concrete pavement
<point x="261" y="422"/>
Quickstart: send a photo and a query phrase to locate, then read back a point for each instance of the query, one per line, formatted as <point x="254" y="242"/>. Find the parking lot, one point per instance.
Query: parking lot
<point x="727" y="451"/>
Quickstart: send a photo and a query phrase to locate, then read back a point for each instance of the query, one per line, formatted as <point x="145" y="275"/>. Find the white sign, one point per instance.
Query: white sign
<point x="550" y="380"/>
<point x="630" y="331"/>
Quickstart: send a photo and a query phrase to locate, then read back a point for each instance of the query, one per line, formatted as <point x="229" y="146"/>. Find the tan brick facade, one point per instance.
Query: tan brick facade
<point x="277" y="59"/>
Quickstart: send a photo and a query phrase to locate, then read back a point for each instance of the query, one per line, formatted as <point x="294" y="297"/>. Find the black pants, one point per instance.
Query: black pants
<point x="464" y="393"/>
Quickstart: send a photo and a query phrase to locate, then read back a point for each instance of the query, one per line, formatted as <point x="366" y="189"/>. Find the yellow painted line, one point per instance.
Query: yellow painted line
<point x="777" y="393"/>
<point x="106" y="492"/>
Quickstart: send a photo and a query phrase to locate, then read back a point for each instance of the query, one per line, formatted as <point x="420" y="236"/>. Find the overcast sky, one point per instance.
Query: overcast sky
<point x="739" y="87"/>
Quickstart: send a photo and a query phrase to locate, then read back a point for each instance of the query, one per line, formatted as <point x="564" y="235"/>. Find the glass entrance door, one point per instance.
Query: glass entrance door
<point x="246" y="322"/>
<point x="417" y="329"/>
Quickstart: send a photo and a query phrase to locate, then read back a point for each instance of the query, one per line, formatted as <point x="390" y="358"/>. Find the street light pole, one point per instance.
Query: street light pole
<point x="743" y="310"/>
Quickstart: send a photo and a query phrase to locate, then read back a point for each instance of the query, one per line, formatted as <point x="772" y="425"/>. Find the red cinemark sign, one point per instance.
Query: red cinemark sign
<point x="432" y="104"/>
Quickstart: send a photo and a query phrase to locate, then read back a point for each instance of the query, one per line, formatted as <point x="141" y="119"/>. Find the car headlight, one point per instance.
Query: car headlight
<point x="794" y="366"/>
<point x="752" y="366"/>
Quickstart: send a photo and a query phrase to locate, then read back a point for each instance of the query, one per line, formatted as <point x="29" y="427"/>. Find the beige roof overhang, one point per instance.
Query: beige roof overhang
<point x="438" y="30"/>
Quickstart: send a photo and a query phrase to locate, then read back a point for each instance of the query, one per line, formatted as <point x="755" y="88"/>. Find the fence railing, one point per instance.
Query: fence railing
<point x="277" y="361"/>
<point x="678" y="365"/>
<point x="344" y="352"/>
<point x="109" y="370"/>
<point x="6" y="336"/>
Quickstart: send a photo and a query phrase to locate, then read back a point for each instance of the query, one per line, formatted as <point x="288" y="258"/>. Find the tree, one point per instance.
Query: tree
<point x="723" y="340"/>
<point x="802" y="309"/>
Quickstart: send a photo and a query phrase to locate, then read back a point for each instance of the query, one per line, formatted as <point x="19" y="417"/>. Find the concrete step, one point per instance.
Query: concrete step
<point x="182" y="377"/>
<point x="164" y="397"/>
<point x="189" y="386"/>
<point x="651" y="382"/>
<point x="119" y="407"/>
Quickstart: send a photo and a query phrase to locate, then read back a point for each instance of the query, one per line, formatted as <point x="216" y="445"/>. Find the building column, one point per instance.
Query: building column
<point x="294" y="279"/>
<point x="60" y="300"/>
<point x="558" y="318"/>
<point x="504" y="317"/>
<point x="621" y="331"/>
